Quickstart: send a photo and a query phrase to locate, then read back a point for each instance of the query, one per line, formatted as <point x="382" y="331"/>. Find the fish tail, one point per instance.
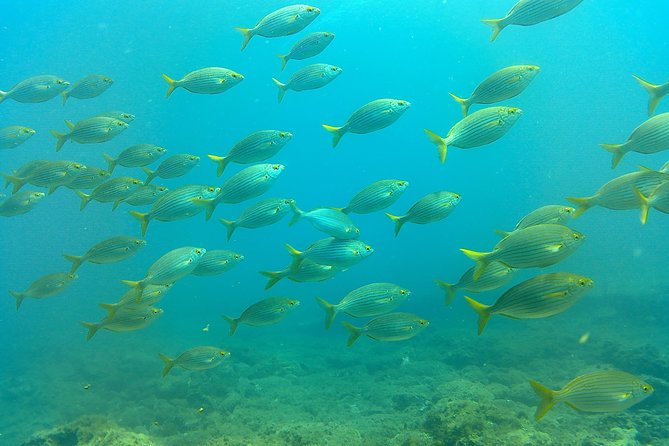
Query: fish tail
<point x="248" y="33"/>
<point x="15" y="181"/>
<point x="273" y="276"/>
<point x="111" y="162"/>
<point x="61" y="138"/>
<point x="293" y="252"/>
<point x="65" y="96"/>
<point x="19" y="298"/>
<point x="502" y="233"/>
<point x="171" y="85"/>
<point x="282" y="88"/>
<point x="399" y="222"/>
<point x="481" y="259"/>
<point x="645" y="206"/>
<point x="354" y="333"/>
<point x="547" y="399"/>
<point x="110" y="308"/>
<point x="284" y="60"/>
<point x="652" y="90"/>
<point x="234" y="323"/>
<point x="464" y="103"/>
<point x="496" y="25"/>
<point x="617" y="150"/>
<point x="449" y="289"/>
<point x="137" y="287"/>
<point x="76" y="261"/>
<point x="221" y="162"/>
<point x="209" y="206"/>
<point x="297" y="214"/>
<point x="144" y="219"/>
<point x="330" y="311"/>
<point x="338" y="132"/>
<point x="169" y="363"/>
<point x="439" y="142"/>
<point x="3" y="95"/>
<point x="481" y="310"/>
<point x="150" y="175"/>
<point x="582" y="204"/>
<point x="92" y="329"/>
<point x="85" y="199"/>
<point x="229" y="225"/>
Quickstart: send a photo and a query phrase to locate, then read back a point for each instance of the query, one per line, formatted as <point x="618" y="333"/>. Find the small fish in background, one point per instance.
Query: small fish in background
<point x="112" y="191"/>
<point x="45" y="286"/>
<point x="258" y="146"/>
<point x="331" y="251"/>
<point x="268" y="311"/>
<point x="212" y="80"/>
<point x="44" y="173"/>
<point x="124" y="319"/>
<point x="600" y="391"/>
<point x="35" y="89"/>
<point x="217" y="261"/>
<point x="658" y="199"/>
<point x="656" y="92"/>
<point x="496" y="275"/>
<point x="501" y="85"/>
<point x="138" y="155"/>
<point x="120" y="115"/>
<point x="263" y="213"/>
<point x="89" y="178"/>
<point x="20" y="203"/>
<point x="197" y="358"/>
<point x="539" y="297"/>
<point x="478" y="129"/>
<point x="309" y="46"/>
<point x="584" y="338"/>
<point x="389" y="327"/>
<point x="282" y="22"/>
<point x="89" y="87"/>
<point x="146" y="195"/>
<point x="371" y="117"/>
<point x="652" y="136"/>
<point x="172" y="167"/>
<point x="14" y="135"/>
<point x="90" y="131"/>
<point x="307" y="271"/>
<point x="432" y="207"/>
<point x="330" y="221"/>
<point x="376" y="197"/>
<point x="310" y="77"/>
<point x="552" y="213"/>
<point x="530" y="12"/>
<point x="373" y="299"/>
<point x="111" y="250"/>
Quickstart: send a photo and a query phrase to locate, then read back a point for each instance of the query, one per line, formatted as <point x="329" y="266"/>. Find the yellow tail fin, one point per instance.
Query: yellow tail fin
<point x="483" y="312"/>
<point x="144" y="220"/>
<point x="496" y="25"/>
<point x="61" y="138"/>
<point x="171" y="85"/>
<point x="247" y="32"/>
<point x="221" y="162"/>
<point x="481" y="259"/>
<point x="230" y="226"/>
<point x="19" y="298"/>
<point x="337" y="132"/>
<point x="92" y="329"/>
<point x="282" y="88"/>
<point x="330" y="311"/>
<point x="65" y="96"/>
<point x="274" y="277"/>
<point x="399" y="222"/>
<point x="645" y="205"/>
<point x="76" y="262"/>
<point x="284" y="60"/>
<point x="547" y="399"/>
<point x="464" y="103"/>
<point x="617" y="150"/>
<point x="111" y="162"/>
<point x="169" y="363"/>
<point x="653" y="91"/>
<point x="582" y="204"/>
<point x="448" y="289"/>
<point x="354" y="333"/>
<point x="234" y="323"/>
<point x="439" y="142"/>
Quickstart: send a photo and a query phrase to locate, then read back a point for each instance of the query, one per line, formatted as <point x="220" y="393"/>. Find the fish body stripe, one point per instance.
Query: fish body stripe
<point x="531" y="12"/>
<point x="371" y="300"/>
<point x="283" y="22"/>
<point x="257" y="147"/>
<point x="263" y="213"/>
<point x="373" y="116"/>
<point x="504" y="84"/>
<point x="480" y="128"/>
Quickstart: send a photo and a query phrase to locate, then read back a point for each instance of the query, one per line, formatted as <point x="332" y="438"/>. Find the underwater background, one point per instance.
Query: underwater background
<point x="295" y="383"/>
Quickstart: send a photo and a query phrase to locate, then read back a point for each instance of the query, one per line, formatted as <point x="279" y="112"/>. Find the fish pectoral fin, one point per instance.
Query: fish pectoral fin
<point x="555" y="248"/>
<point x="222" y="81"/>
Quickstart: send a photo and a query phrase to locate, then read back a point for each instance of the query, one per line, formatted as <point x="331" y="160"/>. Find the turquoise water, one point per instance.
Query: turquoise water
<point x="295" y="383"/>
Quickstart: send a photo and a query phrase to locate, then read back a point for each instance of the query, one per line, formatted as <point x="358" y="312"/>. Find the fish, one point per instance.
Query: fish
<point x="44" y="173"/>
<point x="121" y="116"/>
<point x="197" y="358"/>
<point x="331" y="251"/>
<point x="258" y="146"/>
<point x="307" y="271"/>
<point x="45" y="286"/>
<point x="151" y="295"/>
<point x="14" y="135"/>
<point x="599" y="391"/>
<point x="146" y="195"/>
<point x="496" y="275"/>
<point x="310" y="77"/>
<point x="19" y="176"/>
<point x="282" y="22"/>
<point x="478" y="129"/>
<point x="539" y="297"/>
<point x="124" y="319"/>
<point x="501" y="85"/>
<point x="330" y="221"/>
<point x="172" y="167"/>
<point x="36" y="89"/>
<point x="388" y="327"/>
<point x="217" y="261"/>
<point x="170" y="267"/>
<point x="658" y="199"/>
<point x="432" y="207"/>
<point x="268" y="311"/>
<point x="652" y="136"/>
<point x="211" y="80"/>
<point x="308" y="46"/>
<point x="20" y="203"/>
<point x="376" y="197"/>
<point x="263" y="213"/>
<point x="533" y="247"/>
<point x="656" y="92"/>
<point x="138" y="155"/>
<point x="552" y="213"/>
<point x="113" y="191"/>
<point x="89" y="87"/>
<point x="530" y="12"/>
<point x="371" y="117"/>
<point x="177" y="204"/>
<point x="88" y="178"/>
<point x="373" y="299"/>
<point x="90" y="131"/>
<point x="111" y="250"/>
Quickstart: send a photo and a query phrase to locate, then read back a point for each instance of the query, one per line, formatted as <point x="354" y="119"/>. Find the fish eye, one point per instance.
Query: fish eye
<point x="198" y="251"/>
<point x="400" y="102"/>
<point x="275" y="167"/>
<point x="577" y="236"/>
<point x="403" y="292"/>
<point x="368" y="248"/>
<point x="210" y="189"/>
<point x="310" y="9"/>
<point x="645" y="388"/>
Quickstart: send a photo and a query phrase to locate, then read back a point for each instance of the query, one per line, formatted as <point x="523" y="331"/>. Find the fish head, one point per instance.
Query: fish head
<point x="399" y="105"/>
<point x="403" y="292"/>
<point x="238" y="257"/>
<point x="645" y="389"/>
<point x="36" y="196"/>
<point x="120" y="125"/>
<point x="566" y="213"/>
<point x="159" y="151"/>
<point x="576" y="238"/>
<point x="127" y="117"/>
<point x="139" y="242"/>
<point x="136" y="182"/>
<point x="198" y="253"/>
<point x="454" y="198"/>
<point x="108" y="80"/>
<point x="309" y="12"/>
<point x="75" y="168"/>
<point x="293" y="302"/>
<point x="274" y="170"/>
<point x="401" y="185"/>
<point x="422" y="323"/>
<point x="236" y="77"/>
<point x="223" y="353"/>
<point x="353" y="230"/>
<point x="364" y="251"/>
<point x="328" y="36"/>
<point x="72" y="276"/>
<point x="27" y="131"/>
<point x="530" y="71"/>
<point x="62" y="83"/>
<point x="281" y="137"/>
<point x="155" y="312"/>
<point x="209" y="192"/>
<point x="332" y="71"/>
<point x="509" y="115"/>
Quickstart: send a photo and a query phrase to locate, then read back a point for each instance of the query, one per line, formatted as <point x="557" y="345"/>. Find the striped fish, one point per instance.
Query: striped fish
<point x="45" y="286"/>
<point x="501" y="85"/>
<point x="172" y="167"/>
<point x="36" y="89"/>
<point x="656" y="92"/>
<point x="530" y="12"/>
<point x="258" y="146"/>
<point x="20" y="203"/>
<point x="478" y="129"/>
<point x="371" y="117"/>
<point x="212" y="80"/>
<point x="376" y="197"/>
<point x="268" y="311"/>
<point x="177" y="204"/>
<point x="650" y="137"/>
<point x="496" y="275"/>
<point x="373" y="299"/>
<point x="146" y="195"/>
<point x="600" y="391"/>
<point x="539" y="297"/>
<point x="121" y="116"/>
<point x="282" y="22"/>
<point x="44" y="173"/>
<point x="330" y="221"/>
<point x="533" y="247"/>
<point x="331" y="251"/>
<point x="217" y="261"/>
<point x="552" y="213"/>
<point x="197" y="358"/>
<point x="310" y="77"/>
<point x="308" y="271"/>
<point x="113" y="191"/>
<point x="308" y="46"/>
<point x="658" y="199"/>
<point x="90" y="131"/>
<point x="111" y="250"/>
<point x="14" y="136"/>
<point x="89" y="87"/>
<point x="151" y="295"/>
<point x="138" y="155"/>
<point x="263" y="213"/>
<point x="89" y="178"/>
<point x="124" y="319"/>
<point x="389" y="327"/>
<point x="432" y="207"/>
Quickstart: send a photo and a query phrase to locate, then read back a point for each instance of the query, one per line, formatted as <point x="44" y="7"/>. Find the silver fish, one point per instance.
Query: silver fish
<point x="45" y="286"/>
<point x="258" y="146"/>
<point x="89" y="87"/>
<point x="138" y="155"/>
<point x="36" y="89"/>
<point x="308" y="46"/>
<point x="263" y="213"/>
<point x="90" y="131"/>
<point x="172" y="167"/>
<point x="310" y="77"/>
<point x="212" y="80"/>
<point x="111" y="250"/>
<point x="20" y="203"/>
<point x="14" y="136"/>
<point x="282" y="22"/>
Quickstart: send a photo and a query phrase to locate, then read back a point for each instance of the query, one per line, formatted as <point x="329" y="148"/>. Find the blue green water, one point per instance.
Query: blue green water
<point x="295" y="383"/>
